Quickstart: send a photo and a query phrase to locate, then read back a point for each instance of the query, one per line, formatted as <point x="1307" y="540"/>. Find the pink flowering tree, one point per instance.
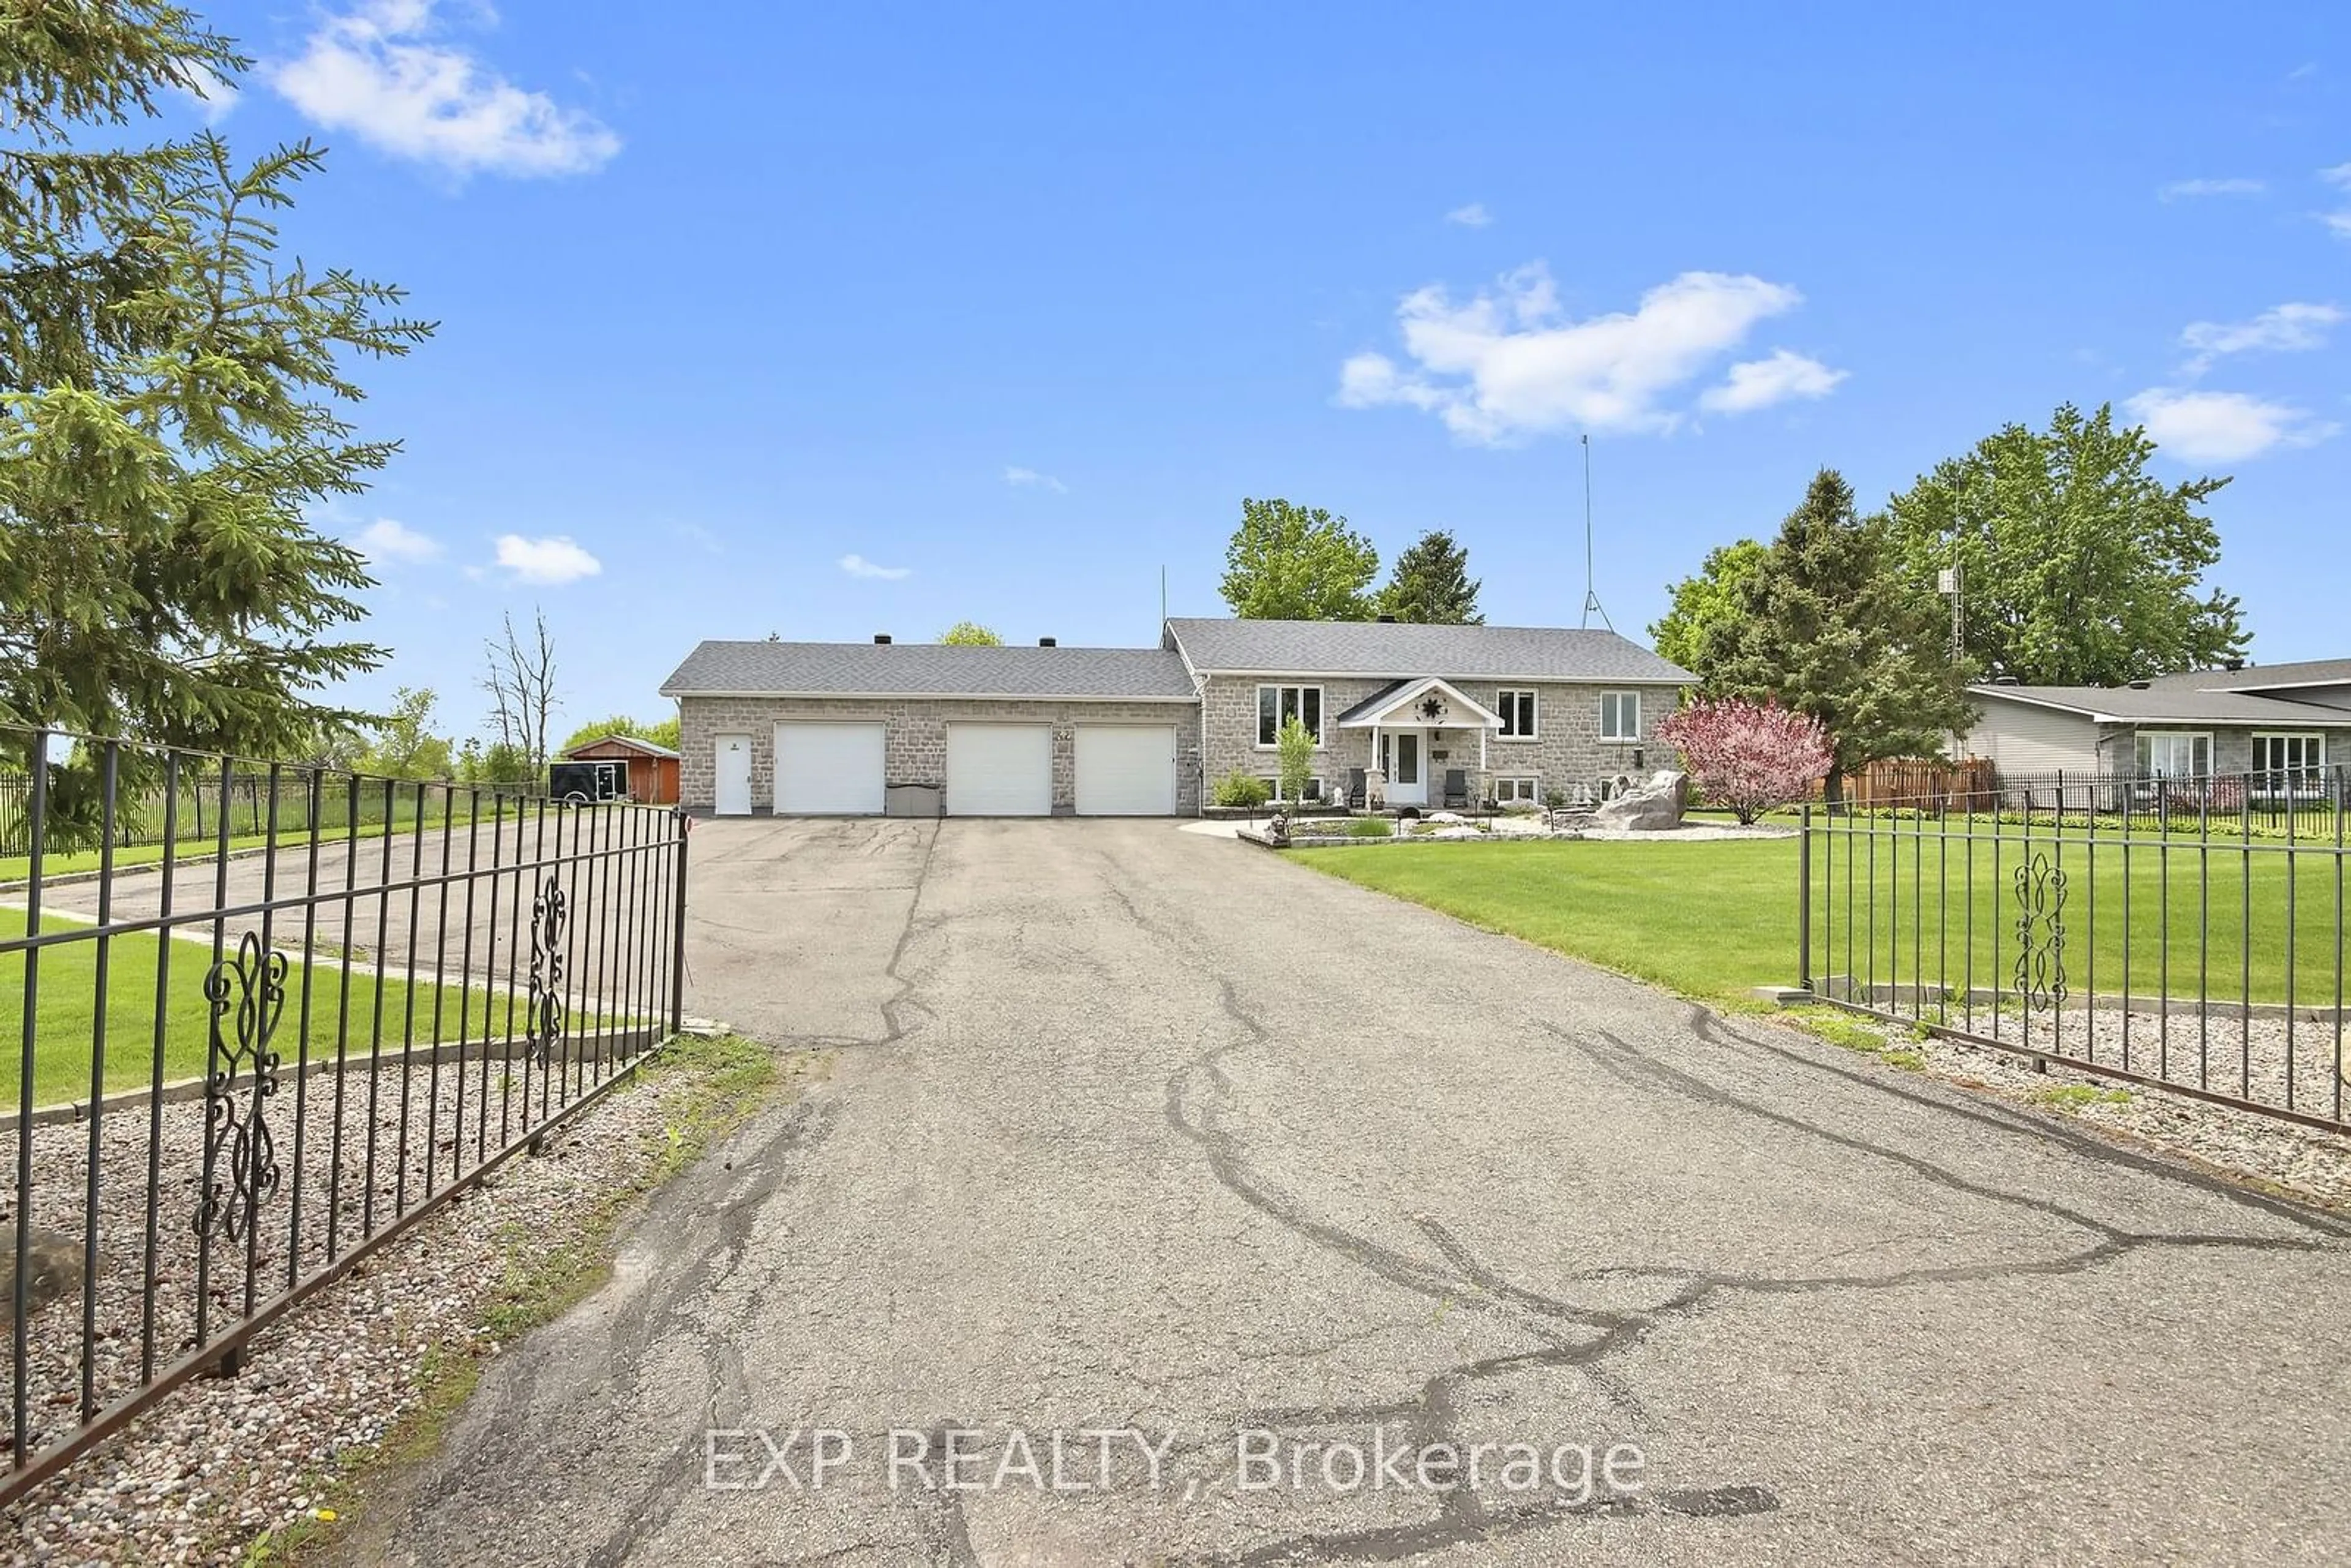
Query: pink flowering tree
<point x="1749" y="758"/>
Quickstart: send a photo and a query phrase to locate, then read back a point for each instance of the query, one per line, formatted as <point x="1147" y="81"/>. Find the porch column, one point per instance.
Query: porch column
<point x="1481" y="748"/>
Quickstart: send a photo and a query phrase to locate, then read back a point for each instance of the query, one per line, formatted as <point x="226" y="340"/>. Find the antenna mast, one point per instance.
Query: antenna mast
<point x="1591" y="593"/>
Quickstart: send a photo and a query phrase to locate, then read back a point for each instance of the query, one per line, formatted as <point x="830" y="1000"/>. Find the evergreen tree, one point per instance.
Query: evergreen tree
<point x="173" y="406"/>
<point x="1431" y="584"/>
<point x="1288" y="562"/>
<point x="1825" y="627"/>
<point x="2076" y="566"/>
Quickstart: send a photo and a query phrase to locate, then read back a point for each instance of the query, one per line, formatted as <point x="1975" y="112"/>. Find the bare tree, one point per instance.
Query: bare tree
<point x="521" y="685"/>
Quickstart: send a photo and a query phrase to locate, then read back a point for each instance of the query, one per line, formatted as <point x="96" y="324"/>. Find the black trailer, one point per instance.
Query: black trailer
<point x="585" y="783"/>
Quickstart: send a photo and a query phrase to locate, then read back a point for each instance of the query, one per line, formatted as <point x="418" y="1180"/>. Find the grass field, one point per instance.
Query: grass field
<point x="69" y="1009"/>
<point x="1714" y="920"/>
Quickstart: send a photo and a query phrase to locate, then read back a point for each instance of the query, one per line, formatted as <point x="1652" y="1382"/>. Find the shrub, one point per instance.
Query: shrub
<point x="1555" y="799"/>
<point x="1237" y="788"/>
<point x="1748" y="757"/>
<point x="1370" y="828"/>
<point x="1297" y="753"/>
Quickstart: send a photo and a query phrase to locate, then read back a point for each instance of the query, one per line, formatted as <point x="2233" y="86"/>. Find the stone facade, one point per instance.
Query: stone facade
<point x="2233" y="744"/>
<point x="1565" y="752"/>
<point x="914" y="739"/>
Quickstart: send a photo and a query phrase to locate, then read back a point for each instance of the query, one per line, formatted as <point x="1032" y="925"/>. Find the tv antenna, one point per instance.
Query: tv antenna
<point x="1590" y="592"/>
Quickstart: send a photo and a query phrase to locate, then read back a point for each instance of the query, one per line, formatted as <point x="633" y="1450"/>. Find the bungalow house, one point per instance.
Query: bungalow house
<point x="1427" y="715"/>
<point x="2281" y="726"/>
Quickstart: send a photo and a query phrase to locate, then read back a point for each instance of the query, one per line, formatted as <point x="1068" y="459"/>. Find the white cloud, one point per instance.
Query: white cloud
<point x="2222" y="427"/>
<point x="2282" y="329"/>
<point x="1031" y="478"/>
<point x="385" y="540"/>
<point x="2182" y="190"/>
<point x="858" y="566"/>
<point x="2339" y="220"/>
<point x="381" y="70"/>
<point x="555" y="560"/>
<point x="1759" y="383"/>
<point x="1473" y="216"/>
<point x="1509" y="364"/>
<point x="211" y="94"/>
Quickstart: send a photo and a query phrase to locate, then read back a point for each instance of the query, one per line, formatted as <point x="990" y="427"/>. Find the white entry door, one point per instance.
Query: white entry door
<point x="999" y="770"/>
<point x="734" y="770"/>
<point x="1402" y="760"/>
<point x="829" y="769"/>
<point x="1126" y="771"/>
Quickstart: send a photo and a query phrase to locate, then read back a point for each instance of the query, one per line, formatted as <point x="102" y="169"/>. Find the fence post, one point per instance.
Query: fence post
<point x="1805" y="900"/>
<point x="677" y="933"/>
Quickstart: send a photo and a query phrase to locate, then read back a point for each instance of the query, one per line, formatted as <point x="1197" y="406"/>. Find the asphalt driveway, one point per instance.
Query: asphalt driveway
<point x="1138" y="1132"/>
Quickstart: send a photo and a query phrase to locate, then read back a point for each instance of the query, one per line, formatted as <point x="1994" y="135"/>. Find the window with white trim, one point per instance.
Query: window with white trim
<point x="1516" y="708"/>
<point x="1518" y="787"/>
<point x="1273" y="787"/>
<point x="2289" y="760"/>
<point x="1276" y="705"/>
<point x="1620" y="716"/>
<point x="2174" y="753"/>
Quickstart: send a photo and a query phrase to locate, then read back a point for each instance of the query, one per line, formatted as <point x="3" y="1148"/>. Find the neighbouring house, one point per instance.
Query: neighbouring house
<point x="2279" y="726"/>
<point x="1498" y="714"/>
<point x="650" y="772"/>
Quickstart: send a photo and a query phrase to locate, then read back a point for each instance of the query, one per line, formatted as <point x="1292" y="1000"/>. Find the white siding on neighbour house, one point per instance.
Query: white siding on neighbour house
<point x="2023" y="738"/>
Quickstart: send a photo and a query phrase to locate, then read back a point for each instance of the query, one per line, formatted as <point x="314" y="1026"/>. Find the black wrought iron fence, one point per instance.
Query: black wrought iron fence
<point x="2198" y="952"/>
<point x="239" y="1074"/>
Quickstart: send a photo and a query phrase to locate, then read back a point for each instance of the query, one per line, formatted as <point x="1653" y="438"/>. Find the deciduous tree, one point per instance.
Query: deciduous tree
<point x="1288" y="562"/>
<point x="1824" y="626"/>
<point x="1704" y="605"/>
<point x="970" y="635"/>
<point x="520" y="681"/>
<point x="1750" y="757"/>
<point x="1431" y="584"/>
<point x="2076" y="566"/>
<point x="405" y="745"/>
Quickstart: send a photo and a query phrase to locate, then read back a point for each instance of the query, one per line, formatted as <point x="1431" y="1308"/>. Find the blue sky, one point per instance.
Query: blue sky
<point x="1008" y="306"/>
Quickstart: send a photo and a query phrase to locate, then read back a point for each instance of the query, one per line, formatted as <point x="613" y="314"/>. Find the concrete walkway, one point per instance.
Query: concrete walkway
<point x="1135" y="1129"/>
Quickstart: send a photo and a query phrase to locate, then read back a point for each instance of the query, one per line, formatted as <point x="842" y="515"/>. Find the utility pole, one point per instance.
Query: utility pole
<point x="1591" y="592"/>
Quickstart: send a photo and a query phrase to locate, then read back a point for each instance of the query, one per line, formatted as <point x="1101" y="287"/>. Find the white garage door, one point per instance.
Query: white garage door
<point x="1126" y="771"/>
<point x="829" y="769"/>
<point x="999" y="770"/>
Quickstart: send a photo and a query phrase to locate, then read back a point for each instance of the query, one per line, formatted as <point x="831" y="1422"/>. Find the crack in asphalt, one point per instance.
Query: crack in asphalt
<point x="1200" y="1093"/>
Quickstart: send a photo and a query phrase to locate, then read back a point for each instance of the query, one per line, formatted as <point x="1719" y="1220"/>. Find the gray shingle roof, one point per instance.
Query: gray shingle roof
<point x="2254" y="677"/>
<point x="926" y="669"/>
<point x="2168" y="704"/>
<point x="1384" y="648"/>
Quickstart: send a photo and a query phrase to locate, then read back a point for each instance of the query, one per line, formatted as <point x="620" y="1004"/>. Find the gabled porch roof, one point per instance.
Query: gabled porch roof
<point x="1399" y="705"/>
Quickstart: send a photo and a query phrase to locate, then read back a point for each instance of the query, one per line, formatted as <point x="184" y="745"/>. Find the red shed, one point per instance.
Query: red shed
<point x="653" y="769"/>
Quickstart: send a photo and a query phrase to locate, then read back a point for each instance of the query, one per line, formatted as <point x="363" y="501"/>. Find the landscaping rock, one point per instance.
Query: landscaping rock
<point x="1654" y="807"/>
<point x="53" y="1261"/>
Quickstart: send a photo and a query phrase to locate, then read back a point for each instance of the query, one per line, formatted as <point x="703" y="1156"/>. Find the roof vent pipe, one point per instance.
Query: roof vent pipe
<point x="1387" y="620"/>
<point x="2232" y="664"/>
<point x="1047" y="642"/>
<point x="881" y="639"/>
<point x="2140" y="685"/>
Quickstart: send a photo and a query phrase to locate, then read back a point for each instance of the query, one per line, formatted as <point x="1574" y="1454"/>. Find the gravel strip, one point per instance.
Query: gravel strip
<point x="223" y="1459"/>
<point x="2304" y="1161"/>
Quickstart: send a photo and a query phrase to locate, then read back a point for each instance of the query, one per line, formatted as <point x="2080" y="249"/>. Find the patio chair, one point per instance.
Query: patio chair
<point x="1456" y="789"/>
<point x="1354" y="801"/>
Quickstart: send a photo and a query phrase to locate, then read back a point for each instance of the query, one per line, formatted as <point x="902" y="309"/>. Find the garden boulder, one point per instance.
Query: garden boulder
<point x="1651" y="808"/>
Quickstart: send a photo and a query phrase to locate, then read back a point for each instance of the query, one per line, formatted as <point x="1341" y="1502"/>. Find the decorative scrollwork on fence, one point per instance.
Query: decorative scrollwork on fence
<point x="548" y="912"/>
<point x="2041" y="933"/>
<point x="251" y="986"/>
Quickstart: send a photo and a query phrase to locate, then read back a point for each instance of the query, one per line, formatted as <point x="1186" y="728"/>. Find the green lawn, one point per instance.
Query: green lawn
<point x="1715" y="919"/>
<point x="68" y="1009"/>
<point x="195" y="846"/>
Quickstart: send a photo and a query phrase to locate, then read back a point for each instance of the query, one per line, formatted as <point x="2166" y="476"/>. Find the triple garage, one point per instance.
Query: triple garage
<point x="848" y="730"/>
<point x="841" y="769"/>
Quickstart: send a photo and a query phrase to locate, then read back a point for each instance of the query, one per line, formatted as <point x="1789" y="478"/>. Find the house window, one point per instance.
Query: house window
<point x="1518" y="712"/>
<point x="2175" y="753"/>
<point x="1524" y="786"/>
<point x="1620" y="716"/>
<point x="2282" y="763"/>
<point x="1313" y="787"/>
<point x="1278" y="705"/>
